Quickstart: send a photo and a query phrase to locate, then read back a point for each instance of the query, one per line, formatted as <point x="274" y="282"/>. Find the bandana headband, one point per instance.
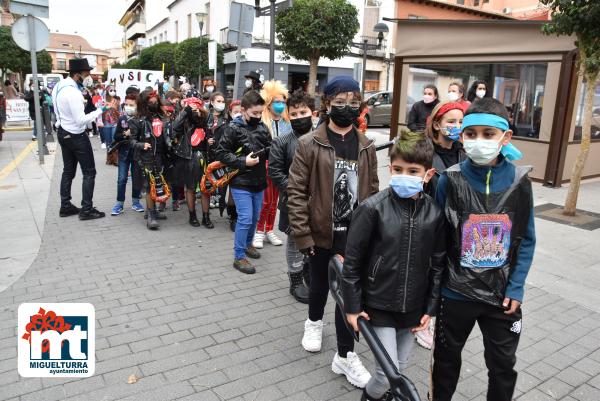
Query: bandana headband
<point x="488" y="120"/>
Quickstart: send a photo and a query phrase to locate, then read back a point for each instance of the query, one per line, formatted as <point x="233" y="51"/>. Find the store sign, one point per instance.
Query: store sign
<point x="17" y="110"/>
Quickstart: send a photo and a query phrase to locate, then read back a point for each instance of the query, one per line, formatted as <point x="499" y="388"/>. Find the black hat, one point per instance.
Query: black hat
<point x="253" y="75"/>
<point x="79" y="64"/>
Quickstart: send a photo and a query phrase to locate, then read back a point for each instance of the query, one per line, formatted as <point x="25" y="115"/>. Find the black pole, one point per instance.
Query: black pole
<point x="364" y="69"/>
<point x="272" y="44"/>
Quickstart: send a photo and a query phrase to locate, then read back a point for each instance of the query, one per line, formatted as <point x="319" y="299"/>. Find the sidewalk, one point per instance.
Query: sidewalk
<point x="171" y="310"/>
<point x="24" y="190"/>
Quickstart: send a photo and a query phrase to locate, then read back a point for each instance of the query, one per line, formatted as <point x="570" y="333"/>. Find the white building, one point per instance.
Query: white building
<point x="175" y="20"/>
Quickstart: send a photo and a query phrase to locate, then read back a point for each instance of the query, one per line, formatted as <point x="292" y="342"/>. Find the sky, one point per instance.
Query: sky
<point x="96" y="21"/>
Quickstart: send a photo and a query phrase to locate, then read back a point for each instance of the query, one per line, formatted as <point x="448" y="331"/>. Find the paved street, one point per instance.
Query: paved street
<point x="171" y="310"/>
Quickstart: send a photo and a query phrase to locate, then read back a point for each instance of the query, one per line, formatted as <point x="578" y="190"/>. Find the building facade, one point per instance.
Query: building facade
<point x="520" y="9"/>
<point x="64" y="47"/>
<point x="133" y="22"/>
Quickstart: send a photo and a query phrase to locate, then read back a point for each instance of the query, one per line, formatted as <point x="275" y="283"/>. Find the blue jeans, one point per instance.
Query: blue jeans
<point x="108" y="134"/>
<point x="127" y="165"/>
<point x="248" y="205"/>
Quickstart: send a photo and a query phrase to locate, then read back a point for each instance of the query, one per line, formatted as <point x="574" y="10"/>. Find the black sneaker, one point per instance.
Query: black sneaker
<point x="244" y="266"/>
<point x="70" y="210"/>
<point x="91" y="214"/>
<point x="252" y="253"/>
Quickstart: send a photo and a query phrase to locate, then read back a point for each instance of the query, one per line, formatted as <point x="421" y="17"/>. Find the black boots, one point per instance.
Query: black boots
<point x="297" y="288"/>
<point x="151" y="223"/>
<point x="194" y="219"/>
<point x="388" y="396"/>
<point x="206" y="221"/>
<point x="232" y="212"/>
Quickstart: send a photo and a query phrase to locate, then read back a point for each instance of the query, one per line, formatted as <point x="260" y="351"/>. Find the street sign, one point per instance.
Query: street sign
<point x="35" y="8"/>
<point x="241" y="18"/>
<point x="21" y="34"/>
<point x="245" y="39"/>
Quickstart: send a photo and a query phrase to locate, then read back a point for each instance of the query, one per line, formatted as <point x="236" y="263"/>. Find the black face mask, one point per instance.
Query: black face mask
<point x="153" y="107"/>
<point x="197" y="120"/>
<point x="343" y="116"/>
<point x="253" y="121"/>
<point x="302" y="125"/>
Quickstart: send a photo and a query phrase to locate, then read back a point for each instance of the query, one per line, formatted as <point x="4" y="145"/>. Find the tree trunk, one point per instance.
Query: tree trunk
<point x="584" y="149"/>
<point x="312" y="75"/>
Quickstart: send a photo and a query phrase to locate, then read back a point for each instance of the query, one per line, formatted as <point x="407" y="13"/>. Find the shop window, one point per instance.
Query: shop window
<point x="520" y="87"/>
<point x="595" y="113"/>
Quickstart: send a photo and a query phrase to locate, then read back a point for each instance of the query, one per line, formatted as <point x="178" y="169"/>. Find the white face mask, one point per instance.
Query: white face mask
<point x="219" y="106"/>
<point x="210" y="89"/>
<point x="453" y="96"/>
<point x="236" y="115"/>
<point x="112" y="93"/>
<point x="427" y="99"/>
<point x="88" y="82"/>
<point x="480" y="93"/>
<point x="248" y="83"/>
<point x="482" y="151"/>
<point x="129" y="110"/>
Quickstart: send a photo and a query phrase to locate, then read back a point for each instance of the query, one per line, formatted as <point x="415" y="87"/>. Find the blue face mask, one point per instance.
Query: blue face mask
<point x="278" y="107"/>
<point x="406" y="186"/>
<point x="453" y="133"/>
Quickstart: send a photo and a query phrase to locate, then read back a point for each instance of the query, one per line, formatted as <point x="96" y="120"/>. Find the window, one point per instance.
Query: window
<point x="61" y="64"/>
<point x="176" y="31"/>
<point x="166" y="37"/>
<point x="520" y="87"/>
<point x="160" y="37"/>
<point x="475" y="3"/>
<point x="189" y="26"/>
<point x="595" y="113"/>
<point x="461" y="2"/>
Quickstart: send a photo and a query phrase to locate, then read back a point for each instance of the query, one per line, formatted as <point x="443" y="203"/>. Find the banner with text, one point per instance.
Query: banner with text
<point x="123" y="78"/>
<point x="17" y="110"/>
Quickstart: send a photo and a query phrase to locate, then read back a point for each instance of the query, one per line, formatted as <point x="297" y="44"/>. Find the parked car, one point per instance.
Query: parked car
<point x="380" y="108"/>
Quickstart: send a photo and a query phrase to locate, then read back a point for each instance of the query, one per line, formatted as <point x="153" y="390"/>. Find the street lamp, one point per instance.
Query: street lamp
<point x="201" y="18"/>
<point x="382" y="30"/>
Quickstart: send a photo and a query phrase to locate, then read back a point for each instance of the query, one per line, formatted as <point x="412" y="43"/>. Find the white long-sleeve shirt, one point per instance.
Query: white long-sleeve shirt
<point x="69" y="107"/>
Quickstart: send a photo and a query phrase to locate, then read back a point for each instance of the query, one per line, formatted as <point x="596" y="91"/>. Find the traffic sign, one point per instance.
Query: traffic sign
<point x="35" y="8"/>
<point x="22" y="36"/>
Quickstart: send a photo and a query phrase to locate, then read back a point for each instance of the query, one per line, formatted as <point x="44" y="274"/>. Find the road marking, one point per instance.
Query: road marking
<point x="16" y="161"/>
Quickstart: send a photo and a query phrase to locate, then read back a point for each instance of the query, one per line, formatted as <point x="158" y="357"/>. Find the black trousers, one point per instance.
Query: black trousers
<point x="76" y="148"/>
<point x="501" y="334"/>
<point x="318" y="292"/>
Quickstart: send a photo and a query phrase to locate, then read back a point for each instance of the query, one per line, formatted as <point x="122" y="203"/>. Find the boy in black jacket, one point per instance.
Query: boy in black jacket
<point x="245" y="136"/>
<point x="395" y="258"/>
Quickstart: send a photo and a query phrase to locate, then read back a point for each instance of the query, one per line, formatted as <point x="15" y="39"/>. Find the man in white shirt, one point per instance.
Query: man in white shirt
<point x="72" y="121"/>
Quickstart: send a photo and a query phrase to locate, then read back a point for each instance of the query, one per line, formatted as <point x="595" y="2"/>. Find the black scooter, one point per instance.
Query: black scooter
<point x="401" y="386"/>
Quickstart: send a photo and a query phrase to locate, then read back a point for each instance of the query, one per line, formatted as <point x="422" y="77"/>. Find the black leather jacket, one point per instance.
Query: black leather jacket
<point x="395" y="255"/>
<point x="141" y="133"/>
<point x="238" y="141"/>
<point x="183" y="128"/>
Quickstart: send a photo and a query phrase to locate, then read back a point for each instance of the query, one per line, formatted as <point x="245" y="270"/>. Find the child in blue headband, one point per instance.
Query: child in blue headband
<point x="488" y="204"/>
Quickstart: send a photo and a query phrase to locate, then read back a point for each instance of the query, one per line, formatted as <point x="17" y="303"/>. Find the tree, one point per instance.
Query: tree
<point x="191" y="57"/>
<point x="134" y="63"/>
<point x="44" y="63"/>
<point x="312" y="29"/>
<point x="153" y="57"/>
<point x="579" y="18"/>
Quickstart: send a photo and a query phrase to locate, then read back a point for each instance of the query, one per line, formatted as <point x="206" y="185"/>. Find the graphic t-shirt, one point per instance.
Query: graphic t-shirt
<point x="345" y="185"/>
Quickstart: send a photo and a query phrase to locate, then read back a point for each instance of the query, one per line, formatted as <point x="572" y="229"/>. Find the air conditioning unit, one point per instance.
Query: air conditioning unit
<point x="507" y="10"/>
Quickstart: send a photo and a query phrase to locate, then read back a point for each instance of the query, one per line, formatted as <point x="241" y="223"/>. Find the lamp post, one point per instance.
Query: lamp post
<point x="201" y="18"/>
<point x="382" y="30"/>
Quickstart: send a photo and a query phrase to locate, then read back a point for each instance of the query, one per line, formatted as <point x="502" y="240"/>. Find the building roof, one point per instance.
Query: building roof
<point x="129" y="10"/>
<point x="462" y="8"/>
<point x="68" y="42"/>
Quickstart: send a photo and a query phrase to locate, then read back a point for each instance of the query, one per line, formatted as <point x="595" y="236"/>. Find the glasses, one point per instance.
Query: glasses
<point x="355" y="104"/>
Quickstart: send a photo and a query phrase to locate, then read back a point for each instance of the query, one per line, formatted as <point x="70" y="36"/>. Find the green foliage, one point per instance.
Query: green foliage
<point x="134" y="63"/>
<point x="580" y="18"/>
<point x="311" y="29"/>
<point x="153" y="57"/>
<point x="14" y="58"/>
<point x="191" y="58"/>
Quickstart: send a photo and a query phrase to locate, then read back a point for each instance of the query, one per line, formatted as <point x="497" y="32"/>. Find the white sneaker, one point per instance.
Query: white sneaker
<point x="103" y="146"/>
<point x="274" y="239"/>
<point x="91" y="135"/>
<point x="425" y="337"/>
<point x="313" y="335"/>
<point x="259" y="239"/>
<point x="352" y="368"/>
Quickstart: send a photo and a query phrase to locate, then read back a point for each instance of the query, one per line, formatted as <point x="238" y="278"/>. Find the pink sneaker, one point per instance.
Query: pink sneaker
<point x="425" y="337"/>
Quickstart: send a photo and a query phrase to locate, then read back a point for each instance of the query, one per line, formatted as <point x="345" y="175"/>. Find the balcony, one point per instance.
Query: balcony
<point x="135" y="30"/>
